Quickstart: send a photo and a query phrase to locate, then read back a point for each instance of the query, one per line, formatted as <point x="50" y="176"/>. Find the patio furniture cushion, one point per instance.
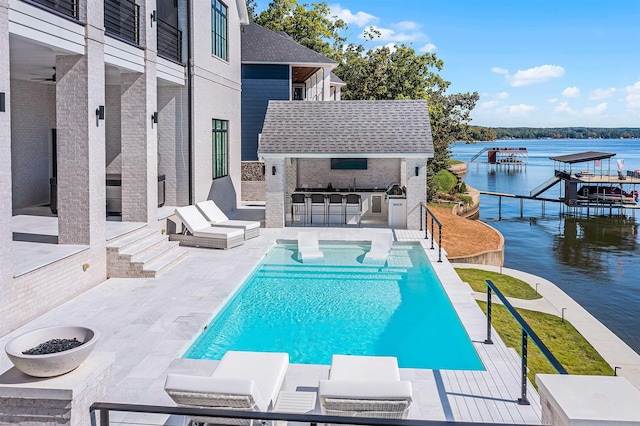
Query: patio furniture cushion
<point x="364" y="368"/>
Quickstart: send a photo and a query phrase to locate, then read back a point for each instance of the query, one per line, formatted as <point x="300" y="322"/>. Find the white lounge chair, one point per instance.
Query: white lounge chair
<point x="381" y="244"/>
<point x="308" y="246"/>
<point x="365" y="386"/>
<point x="247" y="381"/>
<point x="215" y="216"/>
<point x="199" y="233"/>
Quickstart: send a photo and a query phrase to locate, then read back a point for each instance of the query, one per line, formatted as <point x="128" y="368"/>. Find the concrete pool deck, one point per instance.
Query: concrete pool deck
<point x="148" y="323"/>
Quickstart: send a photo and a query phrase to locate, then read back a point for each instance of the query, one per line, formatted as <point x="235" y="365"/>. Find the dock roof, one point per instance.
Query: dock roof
<point x="582" y="157"/>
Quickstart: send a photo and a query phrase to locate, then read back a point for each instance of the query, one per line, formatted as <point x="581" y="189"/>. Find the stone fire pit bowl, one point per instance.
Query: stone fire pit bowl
<point x="55" y="364"/>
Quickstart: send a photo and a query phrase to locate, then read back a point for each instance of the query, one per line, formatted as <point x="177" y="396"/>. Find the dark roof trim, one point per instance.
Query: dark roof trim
<point x="582" y="157"/>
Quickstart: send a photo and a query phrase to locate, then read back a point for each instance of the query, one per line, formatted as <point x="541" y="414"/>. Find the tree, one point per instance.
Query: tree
<point x="312" y="27"/>
<point x="252" y="5"/>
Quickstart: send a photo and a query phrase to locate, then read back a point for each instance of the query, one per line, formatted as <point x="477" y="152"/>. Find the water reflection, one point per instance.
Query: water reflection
<point x="586" y="244"/>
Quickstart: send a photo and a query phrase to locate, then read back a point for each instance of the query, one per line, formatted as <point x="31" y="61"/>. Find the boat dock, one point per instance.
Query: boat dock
<point x="589" y="190"/>
<point x="504" y="156"/>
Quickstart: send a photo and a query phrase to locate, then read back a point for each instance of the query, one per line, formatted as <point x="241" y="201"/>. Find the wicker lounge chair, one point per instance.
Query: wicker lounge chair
<point x="380" y="247"/>
<point x="216" y="217"/>
<point x="365" y="386"/>
<point x="199" y="233"/>
<point x="247" y="381"/>
<point x="308" y="246"/>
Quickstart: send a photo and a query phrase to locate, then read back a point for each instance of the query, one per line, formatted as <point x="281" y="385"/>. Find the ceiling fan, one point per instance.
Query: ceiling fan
<point x="51" y="79"/>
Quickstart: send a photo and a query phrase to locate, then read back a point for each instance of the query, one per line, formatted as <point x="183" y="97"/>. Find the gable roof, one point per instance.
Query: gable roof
<point x="384" y="129"/>
<point x="261" y="45"/>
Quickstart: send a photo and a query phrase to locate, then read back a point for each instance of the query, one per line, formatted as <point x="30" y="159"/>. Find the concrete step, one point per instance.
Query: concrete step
<point x="154" y="252"/>
<point x="131" y="239"/>
<point x="165" y="262"/>
<point x="142" y="246"/>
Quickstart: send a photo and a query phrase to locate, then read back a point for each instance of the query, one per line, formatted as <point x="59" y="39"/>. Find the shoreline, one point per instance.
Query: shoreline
<point x="613" y="349"/>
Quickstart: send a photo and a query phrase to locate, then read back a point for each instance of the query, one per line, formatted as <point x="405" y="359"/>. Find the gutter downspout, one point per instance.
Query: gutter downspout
<point x="189" y="103"/>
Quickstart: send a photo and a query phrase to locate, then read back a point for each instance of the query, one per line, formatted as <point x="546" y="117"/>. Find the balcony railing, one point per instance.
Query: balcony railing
<point x="122" y="20"/>
<point x="64" y="7"/>
<point x="169" y="41"/>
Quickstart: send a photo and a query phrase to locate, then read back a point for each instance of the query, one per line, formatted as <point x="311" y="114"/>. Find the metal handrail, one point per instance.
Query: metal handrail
<point x="122" y="20"/>
<point x="434" y="220"/>
<point x="104" y="408"/>
<point x="169" y="41"/>
<point x="68" y="8"/>
<point x="527" y="332"/>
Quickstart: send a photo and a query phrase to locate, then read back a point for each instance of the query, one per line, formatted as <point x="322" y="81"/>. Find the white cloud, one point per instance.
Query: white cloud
<point x="407" y="26"/>
<point x="428" y="48"/>
<point x="598" y="94"/>
<point x="536" y="75"/>
<point x="552" y="100"/>
<point x="571" y="92"/>
<point x="595" y="110"/>
<point x="521" y="109"/>
<point x="499" y="70"/>
<point x="633" y="97"/>
<point x="564" y="107"/>
<point x="388" y="34"/>
<point x="360" y="18"/>
<point x="488" y="104"/>
<point x="502" y="95"/>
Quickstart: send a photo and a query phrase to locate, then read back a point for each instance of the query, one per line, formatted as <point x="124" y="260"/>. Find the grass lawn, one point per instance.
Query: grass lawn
<point x="509" y="286"/>
<point x="572" y="350"/>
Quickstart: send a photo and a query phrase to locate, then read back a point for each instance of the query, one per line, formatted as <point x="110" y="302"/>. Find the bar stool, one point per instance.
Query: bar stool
<point x="299" y="208"/>
<point x="318" y="207"/>
<point x="335" y="209"/>
<point x="353" y="209"/>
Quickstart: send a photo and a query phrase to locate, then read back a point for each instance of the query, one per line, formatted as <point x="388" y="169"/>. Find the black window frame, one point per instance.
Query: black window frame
<point x="219" y="30"/>
<point x="219" y="149"/>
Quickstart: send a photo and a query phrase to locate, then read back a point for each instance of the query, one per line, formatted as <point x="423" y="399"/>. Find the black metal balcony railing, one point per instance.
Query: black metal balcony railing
<point x="65" y="7"/>
<point x="169" y="41"/>
<point x="122" y="20"/>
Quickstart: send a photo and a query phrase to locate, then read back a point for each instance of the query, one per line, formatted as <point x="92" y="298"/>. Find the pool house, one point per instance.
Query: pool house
<point x="345" y="163"/>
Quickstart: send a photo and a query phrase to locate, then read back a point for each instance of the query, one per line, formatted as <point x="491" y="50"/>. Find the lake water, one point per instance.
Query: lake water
<point x="595" y="260"/>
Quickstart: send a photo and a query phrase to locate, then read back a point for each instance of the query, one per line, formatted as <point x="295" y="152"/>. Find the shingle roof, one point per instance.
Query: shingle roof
<point x="347" y="128"/>
<point x="260" y="45"/>
<point x="337" y="80"/>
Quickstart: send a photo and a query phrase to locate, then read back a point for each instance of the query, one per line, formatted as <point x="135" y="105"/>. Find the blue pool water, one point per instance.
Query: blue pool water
<point x="340" y="306"/>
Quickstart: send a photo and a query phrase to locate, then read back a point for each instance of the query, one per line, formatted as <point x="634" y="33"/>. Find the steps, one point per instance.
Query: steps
<point x="144" y="253"/>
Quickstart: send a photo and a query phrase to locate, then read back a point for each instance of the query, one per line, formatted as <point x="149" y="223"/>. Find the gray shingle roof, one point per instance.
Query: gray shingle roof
<point x="260" y="45"/>
<point x="347" y="128"/>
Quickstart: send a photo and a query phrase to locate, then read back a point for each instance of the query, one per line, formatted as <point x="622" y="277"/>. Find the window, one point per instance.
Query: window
<point x="220" y="142"/>
<point x="219" y="29"/>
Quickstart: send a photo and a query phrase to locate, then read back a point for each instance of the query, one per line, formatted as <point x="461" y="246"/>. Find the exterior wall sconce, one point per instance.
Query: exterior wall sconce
<point x="273" y="170"/>
<point x="417" y="171"/>
<point x="153" y="18"/>
<point x="99" y="114"/>
<point x="154" y="119"/>
<point x="2" y="105"/>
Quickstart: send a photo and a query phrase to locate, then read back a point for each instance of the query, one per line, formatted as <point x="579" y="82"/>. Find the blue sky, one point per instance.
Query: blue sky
<point x="535" y="63"/>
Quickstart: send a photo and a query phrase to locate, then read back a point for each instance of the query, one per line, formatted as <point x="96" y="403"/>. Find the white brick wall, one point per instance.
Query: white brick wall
<point x="173" y="139"/>
<point x="112" y="126"/>
<point x="5" y="155"/>
<point x="416" y="189"/>
<point x="33" y="107"/>
<point x="275" y="193"/>
<point x="316" y="172"/>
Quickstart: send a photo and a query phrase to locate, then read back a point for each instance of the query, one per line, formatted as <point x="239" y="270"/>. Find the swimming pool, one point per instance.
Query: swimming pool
<point x="341" y="306"/>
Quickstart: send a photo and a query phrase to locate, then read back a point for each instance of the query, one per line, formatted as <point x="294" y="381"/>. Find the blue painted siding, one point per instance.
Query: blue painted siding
<point x="260" y="84"/>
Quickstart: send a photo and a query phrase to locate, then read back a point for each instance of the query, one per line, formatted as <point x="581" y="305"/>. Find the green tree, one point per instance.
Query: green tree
<point x="252" y="5"/>
<point x="311" y="26"/>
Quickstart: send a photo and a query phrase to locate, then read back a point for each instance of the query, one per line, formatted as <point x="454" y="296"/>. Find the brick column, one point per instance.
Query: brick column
<point x="416" y="189"/>
<point x="6" y="236"/>
<point x="275" y="192"/>
<point x="139" y="135"/>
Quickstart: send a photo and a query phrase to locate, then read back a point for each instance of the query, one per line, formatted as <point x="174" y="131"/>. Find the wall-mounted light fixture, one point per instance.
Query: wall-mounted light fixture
<point x="153" y="18"/>
<point x="99" y="114"/>
<point x="264" y="169"/>
<point x="154" y="119"/>
<point x="417" y="171"/>
<point x="273" y="170"/>
<point x="2" y="105"/>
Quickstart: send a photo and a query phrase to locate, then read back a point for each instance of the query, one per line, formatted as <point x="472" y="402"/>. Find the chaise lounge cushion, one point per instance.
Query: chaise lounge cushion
<point x="364" y="368"/>
<point x="213" y="392"/>
<point x="367" y="390"/>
